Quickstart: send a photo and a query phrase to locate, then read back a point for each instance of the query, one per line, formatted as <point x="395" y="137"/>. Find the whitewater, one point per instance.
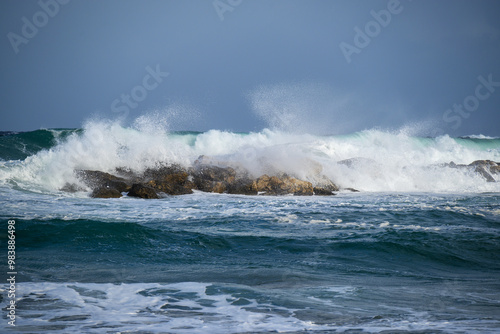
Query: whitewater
<point x="381" y="160"/>
<point x="415" y="250"/>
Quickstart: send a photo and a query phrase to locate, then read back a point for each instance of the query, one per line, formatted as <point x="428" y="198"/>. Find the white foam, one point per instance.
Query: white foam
<point x="158" y="308"/>
<point x="384" y="161"/>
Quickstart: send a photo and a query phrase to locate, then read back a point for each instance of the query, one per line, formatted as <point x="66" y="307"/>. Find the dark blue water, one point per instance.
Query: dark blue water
<point x="379" y="262"/>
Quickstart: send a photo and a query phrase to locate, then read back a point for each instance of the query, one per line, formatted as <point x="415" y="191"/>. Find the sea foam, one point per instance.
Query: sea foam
<point x="370" y="160"/>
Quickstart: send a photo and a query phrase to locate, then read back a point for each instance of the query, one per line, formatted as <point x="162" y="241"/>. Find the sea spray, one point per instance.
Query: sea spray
<point x="370" y="160"/>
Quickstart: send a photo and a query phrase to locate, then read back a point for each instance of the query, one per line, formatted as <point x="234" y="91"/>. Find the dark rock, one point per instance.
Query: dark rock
<point x="357" y="161"/>
<point x="104" y="192"/>
<point x="319" y="191"/>
<point x="95" y="179"/>
<point x="482" y="171"/>
<point x="71" y="188"/>
<point x="352" y="190"/>
<point x="242" y="186"/>
<point x="142" y="191"/>
<point x="323" y="186"/>
<point x="484" y="168"/>
<point x="282" y="185"/>
<point x="213" y="178"/>
<point x="495" y="169"/>
<point x="483" y="163"/>
<point x="172" y="180"/>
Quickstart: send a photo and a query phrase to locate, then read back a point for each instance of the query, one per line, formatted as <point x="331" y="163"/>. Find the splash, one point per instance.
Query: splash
<point x="371" y="160"/>
<point x="304" y="108"/>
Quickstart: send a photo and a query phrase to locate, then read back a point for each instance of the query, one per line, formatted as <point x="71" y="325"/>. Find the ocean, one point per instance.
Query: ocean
<point x="416" y="250"/>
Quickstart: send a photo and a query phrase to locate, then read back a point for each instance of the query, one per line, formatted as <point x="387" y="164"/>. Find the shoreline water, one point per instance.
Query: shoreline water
<point x="417" y="251"/>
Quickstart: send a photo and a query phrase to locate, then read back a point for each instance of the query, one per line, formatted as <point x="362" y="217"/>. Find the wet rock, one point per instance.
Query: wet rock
<point x="495" y="169"/>
<point x="142" y="191"/>
<point x="323" y="186"/>
<point x="482" y="171"/>
<point x="484" y="168"/>
<point x="242" y="186"/>
<point x="319" y="191"/>
<point x="71" y="188"/>
<point x="359" y="161"/>
<point x="104" y="192"/>
<point x="483" y="163"/>
<point x="172" y="180"/>
<point x="216" y="179"/>
<point x="96" y="179"/>
<point x="283" y="185"/>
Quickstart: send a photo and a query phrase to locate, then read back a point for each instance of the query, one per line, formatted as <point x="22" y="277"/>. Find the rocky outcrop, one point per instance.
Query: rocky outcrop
<point x="485" y="168"/>
<point x="217" y="178"/>
<point x="203" y="176"/>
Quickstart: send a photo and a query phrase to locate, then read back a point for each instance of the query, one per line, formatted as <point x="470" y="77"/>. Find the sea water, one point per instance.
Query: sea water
<point x="417" y="250"/>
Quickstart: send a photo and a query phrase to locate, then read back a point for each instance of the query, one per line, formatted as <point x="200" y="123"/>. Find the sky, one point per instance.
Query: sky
<point x="316" y="66"/>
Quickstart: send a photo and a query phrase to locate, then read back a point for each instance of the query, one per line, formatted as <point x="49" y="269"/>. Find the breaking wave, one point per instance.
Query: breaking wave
<point x="370" y="160"/>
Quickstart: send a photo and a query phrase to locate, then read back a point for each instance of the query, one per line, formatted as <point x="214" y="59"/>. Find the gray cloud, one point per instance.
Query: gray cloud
<point x="86" y="55"/>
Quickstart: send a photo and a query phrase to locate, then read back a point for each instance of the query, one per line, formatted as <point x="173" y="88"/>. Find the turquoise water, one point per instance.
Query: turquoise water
<point x="374" y="261"/>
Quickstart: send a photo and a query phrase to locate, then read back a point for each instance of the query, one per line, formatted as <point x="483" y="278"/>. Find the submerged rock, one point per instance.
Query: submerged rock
<point x="104" y="192"/>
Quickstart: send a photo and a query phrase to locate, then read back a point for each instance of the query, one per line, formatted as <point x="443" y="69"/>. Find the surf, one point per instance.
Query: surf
<point x="372" y="160"/>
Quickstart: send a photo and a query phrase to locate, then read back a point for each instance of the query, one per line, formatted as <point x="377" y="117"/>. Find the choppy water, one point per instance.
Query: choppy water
<point x="390" y="260"/>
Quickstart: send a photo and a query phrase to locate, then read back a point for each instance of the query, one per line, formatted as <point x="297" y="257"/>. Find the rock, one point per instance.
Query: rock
<point x="210" y="178"/>
<point x="242" y="186"/>
<point x="95" y="179"/>
<point x="481" y="171"/>
<point x="323" y="186"/>
<point x="172" y="180"/>
<point x="359" y="161"/>
<point x="483" y="163"/>
<point x="352" y="190"/>
<point x="142" y="191"/>
<point x="282" y="185"/>
<point x="319" y="191"/>
<point x="484" y="168"/>
<point x="71" y="188"/>
<point x="104" y="192"/>
<point x="495" y="169"/>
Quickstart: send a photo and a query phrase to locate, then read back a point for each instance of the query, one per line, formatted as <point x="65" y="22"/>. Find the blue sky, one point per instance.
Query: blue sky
<point x="318" y="66"/>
